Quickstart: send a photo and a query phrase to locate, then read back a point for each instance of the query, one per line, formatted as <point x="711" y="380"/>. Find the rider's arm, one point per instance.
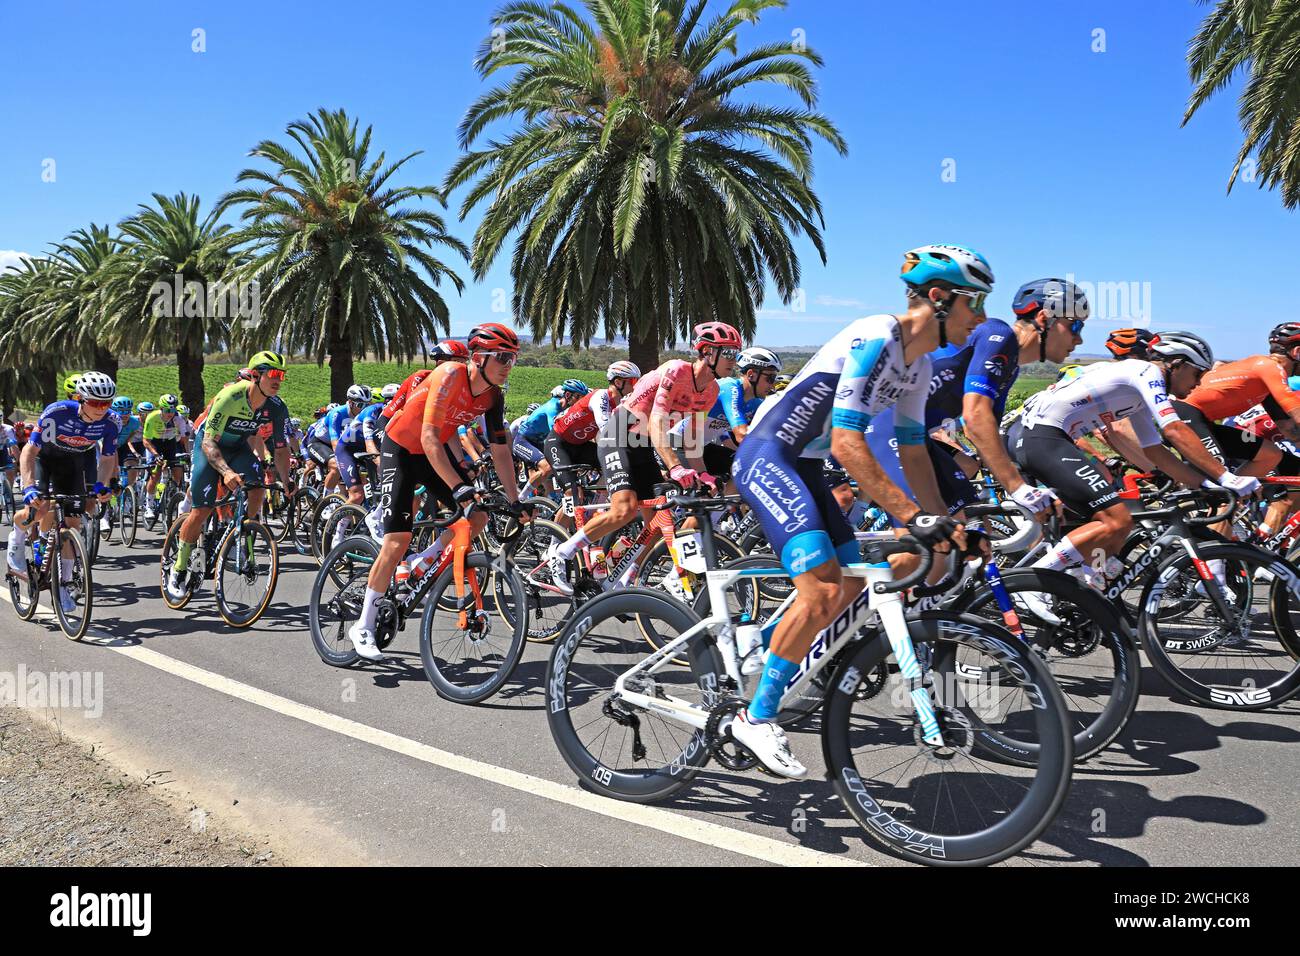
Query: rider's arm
<point x="1161" y="458"/>
<point x="982" y="429"/>
<point x="1119" y="435"/>
<point x="282" y="464"/>
<point x="849" y="447"/>
<point x="693" y="441"/>
<point x="212" y="452"/>
<point x="27" y="463"/>
<point x="658" y="429"/>
<point x="733" y="406"/>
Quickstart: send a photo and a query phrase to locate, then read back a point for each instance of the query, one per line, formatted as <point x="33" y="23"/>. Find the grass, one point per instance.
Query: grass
<point x="306" y="387"/>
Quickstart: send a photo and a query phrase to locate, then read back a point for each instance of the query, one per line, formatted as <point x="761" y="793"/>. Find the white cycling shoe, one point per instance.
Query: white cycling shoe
<point x="767" y="741"/>
<point x="14" y="554"/>
<point x="176" y="583"/>
<point x="1035" y="604"/>
<point x="66" y="600"/>
<point x="363" y="642"/>
<point x="559" y="569"/>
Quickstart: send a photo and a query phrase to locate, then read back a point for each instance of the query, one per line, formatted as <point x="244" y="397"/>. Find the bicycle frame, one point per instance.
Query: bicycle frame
<point x="825" y="647"/>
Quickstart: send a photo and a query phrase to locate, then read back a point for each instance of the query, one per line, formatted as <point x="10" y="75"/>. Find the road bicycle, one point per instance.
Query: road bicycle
<point x="901" y="750"/>
<point x="58" y="555"/>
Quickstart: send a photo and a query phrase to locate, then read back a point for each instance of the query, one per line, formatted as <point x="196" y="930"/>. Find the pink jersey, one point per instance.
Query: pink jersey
<point x="671" y="390"/>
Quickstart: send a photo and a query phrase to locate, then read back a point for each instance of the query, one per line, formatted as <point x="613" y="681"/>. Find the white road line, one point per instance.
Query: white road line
<point x="654" y="818"/>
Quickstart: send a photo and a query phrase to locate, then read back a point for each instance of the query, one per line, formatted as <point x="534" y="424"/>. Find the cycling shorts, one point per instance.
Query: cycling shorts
<point x="205" y="480"/>
<point x="1231" y="447"/>
<point x="956" y="490"/>
<point x="169" y="451"/>
<point x="627" y="460"/>
<point x="795" y="506"/>
<point x="526" y="451"/>
<point x="400" y="473"/>
<point x="351" y="471"/>
<point x="320" y="451"/>
<point x="562" y="454"/>
<point x="1051" y="456"/>
<point x="59" y="473"/>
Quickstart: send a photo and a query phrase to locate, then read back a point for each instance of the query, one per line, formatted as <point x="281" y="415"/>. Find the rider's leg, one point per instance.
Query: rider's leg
<point x="622" y="507"/>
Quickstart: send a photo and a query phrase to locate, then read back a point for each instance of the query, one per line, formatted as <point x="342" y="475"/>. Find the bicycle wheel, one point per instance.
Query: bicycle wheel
<point x="325" y="507"/>
<point x="128" y="517"/>
<point x="194" y="575"/>
<point x="25" y="593"/>
<point x="343" y="522"/>
<point x="89" y="533"/>
<point x="337" y="596"/>
<point x="1249" y="660"/>
<point x="615" y="748"/>
<point x="657" y="571"/>
<point x="78" y="587"/>
<point x="1092" y="655"/>
<point x="301" y="508"/>
<point x="275" y="514"/>
<point x="247" y="568"/>
<point x="469" y="664"/>
<point x="945" y="805"/>
<point x="548" y="609"/>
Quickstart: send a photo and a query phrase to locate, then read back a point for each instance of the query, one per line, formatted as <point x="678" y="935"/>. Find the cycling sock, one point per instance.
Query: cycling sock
<point x="18" y="537"/>
<point x="1219" y="569"/>
<point x="65" y="570"/>
<point x="570" y="547"/>
<point x="1064" y="555"/>
<point x="183" y="555"/>
<point x="431" y="553"/>
<point x="776" y="676"/>
<point x="370" y="609"/>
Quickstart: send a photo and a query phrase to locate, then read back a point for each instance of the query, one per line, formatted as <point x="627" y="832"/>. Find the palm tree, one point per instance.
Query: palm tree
<point x="645" y="195"/>
<point x="343" y="267"/>
<point x="1263" y="38"/>
<point x="29" y="366"/>
<point x="72" y="315"/>
<point x="158" y="288"/>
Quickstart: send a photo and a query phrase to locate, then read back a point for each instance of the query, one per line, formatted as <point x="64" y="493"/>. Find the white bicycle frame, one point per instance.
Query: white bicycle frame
<point x="825" y="646"/>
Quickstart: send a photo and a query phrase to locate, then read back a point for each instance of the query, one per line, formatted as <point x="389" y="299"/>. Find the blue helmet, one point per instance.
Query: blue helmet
<point x="575" y="386"/>
<point x="146" y="406"/>
<point x="122" y="405"/>
<point x="955" y="265"/>
<point x="1058" y="298"/>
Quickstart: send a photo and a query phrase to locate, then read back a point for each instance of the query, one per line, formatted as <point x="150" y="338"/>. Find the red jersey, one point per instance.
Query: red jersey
<point x="582" y="421"/>
<point x="1233" y="388"/>
<point x="445" y="400"/>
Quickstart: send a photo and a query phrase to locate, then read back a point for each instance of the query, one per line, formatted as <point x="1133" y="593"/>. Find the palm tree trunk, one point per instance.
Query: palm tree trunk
<point x="189" y="364"/>
<point x="340" y="364"/>
<point x="643" y="344"/>
<point x="106" y="361"/>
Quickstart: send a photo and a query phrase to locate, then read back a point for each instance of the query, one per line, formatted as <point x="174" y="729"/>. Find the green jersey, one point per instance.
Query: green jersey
<point x="155" y="429"/>
<point x="233" y="420"/>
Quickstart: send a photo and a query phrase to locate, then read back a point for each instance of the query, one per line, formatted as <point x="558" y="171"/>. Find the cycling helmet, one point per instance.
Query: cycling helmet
<point x="245" y="375"/>
<point x="716" y="335"/>
<point x="1058" y="298"/>
<point x="557" y="391"/>
<point x="70" y="384"/>
<point x="358" y="393"/>
<point x="622" y="370"/>
<point x="168" y="402"/>
<point x="331" y="406"/>
<point x="493" y="337"/>
<point x="452" y="348"/>
<point x="1068" y="372"/>
<point x="96" y="385"/>
<point x="122" y="405"/>
<point x="264" y="360"/>
<point x="534" y="406"/>
<point x="183" y="410"/>
<point x="955" y="265"/>
<point x="781" y="382"/>
<point x="389" y="391"/>
<point x="1184" y="345"/>
<point x="1284" y="337"/>
<point x="145" y="408"/>
<point x="755" y="357"/>
<point x="575" y="386"/>
<point x="319" y="413"/>
<point x="836" y="477"/>
<point x="1131" y="343"/>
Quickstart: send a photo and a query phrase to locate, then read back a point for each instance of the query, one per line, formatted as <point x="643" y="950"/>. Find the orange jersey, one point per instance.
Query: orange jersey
<point x="1231" y="389"/>
<point x="444" y="399"/>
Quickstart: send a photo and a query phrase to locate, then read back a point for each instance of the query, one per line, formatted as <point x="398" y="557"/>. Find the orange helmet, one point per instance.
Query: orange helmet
<point x="1131" y="343"/>
<point x="493" y="337"/>
<point x="716" y="335"/>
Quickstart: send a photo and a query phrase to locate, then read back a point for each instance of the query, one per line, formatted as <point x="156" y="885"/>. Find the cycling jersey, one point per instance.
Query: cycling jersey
<point x="1102" y="394"/>
<point x="409" y="384"/>
<point x="988" y="364"/>
<point x="156" y="429"/>
<point x="779" y="469"/>
<point x="129" y="428"/>
<point x="233" y="421"/>
<point x="184" y="427"/>
<point x="361" y="429"/>
<point x="446" y="400"/>
<point x="731" y="405"/>
<point x="61" y="428"/>
<point x="671" y="390"/>
<point x="334" y="422"/>
<point x="1232" y="388"/>
<point x="583" y="420"/>
<point x="540" y="423"/>
<point x="522" y="448"/>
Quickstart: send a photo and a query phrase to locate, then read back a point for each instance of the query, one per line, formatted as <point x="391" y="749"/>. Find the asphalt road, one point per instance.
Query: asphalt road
<point x="369" y="765"/>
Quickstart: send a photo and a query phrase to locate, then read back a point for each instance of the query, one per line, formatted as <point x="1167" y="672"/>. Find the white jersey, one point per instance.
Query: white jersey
<point x="854" y="377"/>
<point x="1104" y="393"/>
<point x="185" y="427"/>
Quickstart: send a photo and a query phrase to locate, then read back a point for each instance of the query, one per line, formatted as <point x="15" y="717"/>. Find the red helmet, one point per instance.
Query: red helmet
<point x="493" y="337"/>
<point x="245" y="375"/>
<point x="717" y="335"/>
<point x="451" y="348"/>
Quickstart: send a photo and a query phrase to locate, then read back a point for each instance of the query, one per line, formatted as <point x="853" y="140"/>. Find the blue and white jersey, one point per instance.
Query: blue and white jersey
<point x="361" y="429"/>
<point x="334" y="422"/>
<point x="128" y="427"/>
<point x="729" y="411"/>
<point x="315" y="431"/>
<point x="61" y="427"/>
<point x="853" y="378"/>
<point x="541" y="422"/>
<point x="988" y="364"/>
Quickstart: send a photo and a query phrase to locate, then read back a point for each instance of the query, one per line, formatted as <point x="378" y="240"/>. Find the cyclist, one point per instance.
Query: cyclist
<point x="321" y="448"/>
<point x="1044" y="441"/>
<point x="450" y="350"/>
<point x="874" y="363"/>
<point x="359" y="435"/>
<point x="70" y="387"/>
<point x="572" y="438"/>
<point x="185" y="428"/>
<point x="415" y="452"/>
<point x="241" y="419"/>
<point x="8" y="460"/>
<point x="161" y="436"/>
<point x="533" y="459"/>
<point x="57" y="460"/>
<point x="640" y="427"/>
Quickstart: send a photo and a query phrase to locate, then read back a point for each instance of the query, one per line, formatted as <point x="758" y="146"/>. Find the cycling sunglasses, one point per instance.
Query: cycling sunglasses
<point x="1076" y="326"/>
<point x="505" y="358"/>
<point x="977" y="299"/>
<point x="274" y="374"/>
<point x="96" y="402"/>
<point x="728" y="353"/>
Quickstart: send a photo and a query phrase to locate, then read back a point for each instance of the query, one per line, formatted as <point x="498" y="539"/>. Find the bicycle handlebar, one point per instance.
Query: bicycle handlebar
<point x="1177" y="497"/>
<point x="905" y="545"/>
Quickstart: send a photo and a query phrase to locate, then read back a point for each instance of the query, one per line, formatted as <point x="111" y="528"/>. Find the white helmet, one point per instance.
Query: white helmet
<point x="96" y="385"/>
<point x="1183" y="345"/>
<point x="622" y="370"/>
<point x="331" y="406"/>
<point x="755" y="357"/>
<point x="389" y="391"/>
<point x="557" y="391"/>
<point x="359" y="393"/>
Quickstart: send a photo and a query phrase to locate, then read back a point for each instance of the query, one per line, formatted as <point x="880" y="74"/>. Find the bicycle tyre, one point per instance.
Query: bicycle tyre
<point x="73" y="629"/>
<point x="229" y="613"/>
<point x="348" y="577"/>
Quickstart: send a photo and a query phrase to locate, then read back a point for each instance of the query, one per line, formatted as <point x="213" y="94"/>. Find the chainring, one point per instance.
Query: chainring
<point x="725" y="750"/>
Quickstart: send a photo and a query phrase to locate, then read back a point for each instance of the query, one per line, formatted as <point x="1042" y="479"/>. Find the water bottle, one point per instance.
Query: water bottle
<point x="599" y="563"/>
<point x="38" y="552"/>
<point x="618" y="549"/>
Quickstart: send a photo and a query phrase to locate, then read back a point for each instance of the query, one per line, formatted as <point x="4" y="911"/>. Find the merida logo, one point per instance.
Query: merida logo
<point x="103" y="909"/>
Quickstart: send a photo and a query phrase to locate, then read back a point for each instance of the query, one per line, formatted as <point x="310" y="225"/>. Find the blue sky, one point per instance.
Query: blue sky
<point x="1066" y="160"/>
